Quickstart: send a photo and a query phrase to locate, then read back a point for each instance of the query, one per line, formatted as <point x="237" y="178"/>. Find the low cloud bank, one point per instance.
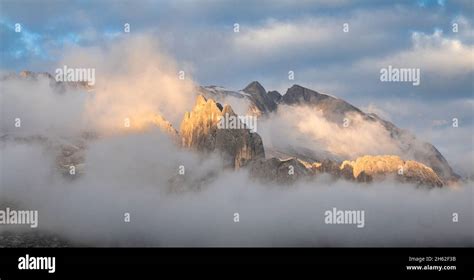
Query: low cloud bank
<point x="137" y="171"/>
<point x="129" y="174"/>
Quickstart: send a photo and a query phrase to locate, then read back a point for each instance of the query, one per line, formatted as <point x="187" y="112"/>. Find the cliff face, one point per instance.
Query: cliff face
<point x="199" y="130"/>
<point x="379" y="167"/>
<point x="335" y="109"/>
<point x="261" y="103"/>
<point x="199" y="127"/>
<point x="364" y="169"/>
<point x="239" y="147"/>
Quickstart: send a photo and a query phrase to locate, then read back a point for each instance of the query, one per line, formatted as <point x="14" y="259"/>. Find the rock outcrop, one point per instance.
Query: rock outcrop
<point x="335" y="110"/>
<point x="381" y="167"/>
<point x="70" y="159"/>
<point x="364" y="169"/>
<point x="259" y="101"/>
<point x="262" y="102"/>
<point x="58" y="86"/>
<point x="165" y="126"/>
<point x="275" y="96"/>
<point x="199" y="130"/>
<point x="280" y="171"/>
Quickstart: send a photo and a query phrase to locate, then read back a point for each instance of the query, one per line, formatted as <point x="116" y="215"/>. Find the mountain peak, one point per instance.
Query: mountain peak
<point x="296" y="86"/>
<point x="202" y="101"/>
<point x="258" y="95"/>
<point x="298" y="94"/>
<point x="300" y="91"/>
<point x="254" y="88"/>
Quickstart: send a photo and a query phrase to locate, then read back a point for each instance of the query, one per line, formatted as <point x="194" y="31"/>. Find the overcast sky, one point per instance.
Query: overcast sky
<point x="278" y="36"/>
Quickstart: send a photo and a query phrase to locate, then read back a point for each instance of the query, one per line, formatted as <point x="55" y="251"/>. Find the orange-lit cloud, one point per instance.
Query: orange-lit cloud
<point x="135" y="82"/>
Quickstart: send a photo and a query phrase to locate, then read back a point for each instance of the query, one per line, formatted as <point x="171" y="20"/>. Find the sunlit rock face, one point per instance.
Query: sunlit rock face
<point x="363" y="170"/>
<point x="199" y="130"/>
<point x="380" y="167"/>
<point x="199" y="127"/>
<point x="164" y="125"/>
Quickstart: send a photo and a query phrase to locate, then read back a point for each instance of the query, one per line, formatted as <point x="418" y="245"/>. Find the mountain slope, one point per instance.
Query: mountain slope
<point x="336" y="111"/>
<point x="259" y="102"/>
<point x="199" y="130"/>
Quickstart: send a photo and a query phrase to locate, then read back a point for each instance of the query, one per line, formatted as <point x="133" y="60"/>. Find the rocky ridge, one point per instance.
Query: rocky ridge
<point x="243" y="148"/>
<point x="334" y="110"/>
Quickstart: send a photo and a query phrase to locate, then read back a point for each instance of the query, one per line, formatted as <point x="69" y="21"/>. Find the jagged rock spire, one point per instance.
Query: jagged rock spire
<point x="199" y="130"/>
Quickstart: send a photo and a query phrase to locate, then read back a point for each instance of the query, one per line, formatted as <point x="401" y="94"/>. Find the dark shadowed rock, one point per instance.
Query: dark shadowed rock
<point x="334" y="109"/>
<point x="275" y="96"/>
<point x="260" y="98"/>
<point x="279" y="171"/>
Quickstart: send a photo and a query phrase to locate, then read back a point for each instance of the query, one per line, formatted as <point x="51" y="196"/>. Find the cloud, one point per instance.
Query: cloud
<point x="445" y="67"/>
<point x="433" y="122"/>
<point x="128" y="174"/>
<point x="135" y="80"/>
<point x="136" y="173"/>
<point x="311" y="130"/>
<point x="374" y="109"/>
<point x="435" y="55"/>
<point x="275" y="37"/>
<point x="53" y="114"/>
